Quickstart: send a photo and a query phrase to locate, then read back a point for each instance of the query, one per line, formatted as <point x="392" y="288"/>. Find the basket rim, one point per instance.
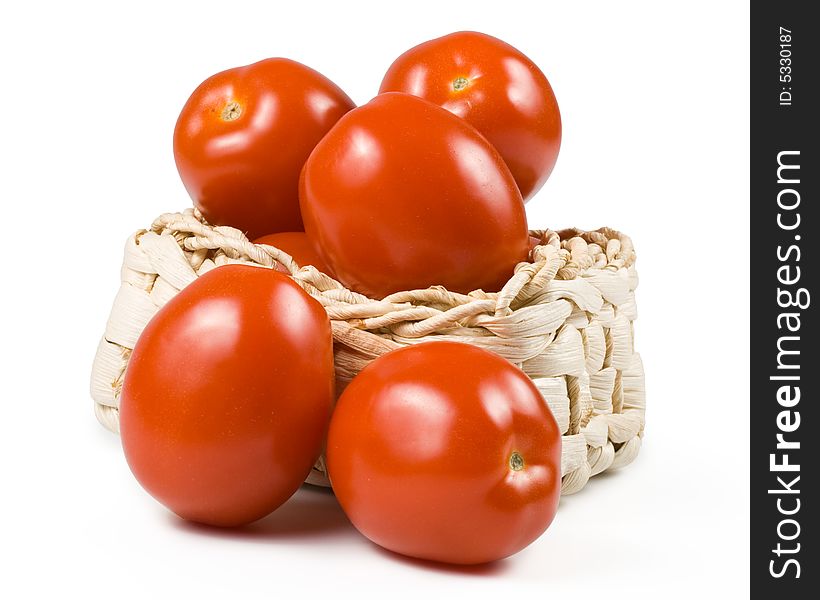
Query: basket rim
<point x="580" y="248"/>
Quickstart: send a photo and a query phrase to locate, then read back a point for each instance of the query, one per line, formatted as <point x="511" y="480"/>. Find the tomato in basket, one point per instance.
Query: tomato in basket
<point x="501" y="92"/>
<point x="401" y="194"/>
<point x="447" y="452"/>
<point x="228" y="394"/>
<point x="242" y="139"/>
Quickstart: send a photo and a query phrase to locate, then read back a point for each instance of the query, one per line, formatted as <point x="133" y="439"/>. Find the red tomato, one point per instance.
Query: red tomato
<point x="447" y="452"/>
<point x="300" y="248"/>
<point x="243" y="137"/>
<point x="401" y="195"/>
<point x="228" y="394"/>
<point x="497" y="89"/>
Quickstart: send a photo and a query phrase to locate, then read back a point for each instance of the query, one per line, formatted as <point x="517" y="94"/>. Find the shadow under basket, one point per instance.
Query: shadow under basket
<point x="565" y="318"/>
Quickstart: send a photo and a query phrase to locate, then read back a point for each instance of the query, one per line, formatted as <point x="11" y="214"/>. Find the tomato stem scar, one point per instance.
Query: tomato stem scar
<point x="516" y="461"/>
<point x="232" y="111"/>
<point x="459" y="83"/>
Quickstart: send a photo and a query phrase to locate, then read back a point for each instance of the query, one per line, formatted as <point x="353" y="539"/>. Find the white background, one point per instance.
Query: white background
<point x="656" y="114"/>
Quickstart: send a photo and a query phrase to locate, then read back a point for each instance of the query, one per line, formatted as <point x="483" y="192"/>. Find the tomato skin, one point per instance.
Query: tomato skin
<point x="419" y="454"/>
<point x="300" y="248"/>
<point x="227" y="396"/>
<point x="505" y="96"/>
<point x="243" y="136"/>
<point x="402" y="195"/>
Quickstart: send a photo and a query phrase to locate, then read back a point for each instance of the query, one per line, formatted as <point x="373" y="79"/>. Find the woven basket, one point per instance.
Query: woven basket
<point x="565" y="318"/>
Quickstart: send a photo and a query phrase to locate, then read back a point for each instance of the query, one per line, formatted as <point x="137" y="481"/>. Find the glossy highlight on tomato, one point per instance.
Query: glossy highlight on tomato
<point x="501" y="92"/>
<point x="401" y="194"/>
<point x="447" y="452"/>
<point x="300" y="248"/>
<point x="243" y="136"/>
<point x="228" y="395"/>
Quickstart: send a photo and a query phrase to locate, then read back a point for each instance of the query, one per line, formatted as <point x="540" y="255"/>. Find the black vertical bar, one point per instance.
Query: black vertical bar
<point x="784" y="174"/>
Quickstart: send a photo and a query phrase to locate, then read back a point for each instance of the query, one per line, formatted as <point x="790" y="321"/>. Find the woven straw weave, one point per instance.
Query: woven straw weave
<point x="565" y="318"/>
